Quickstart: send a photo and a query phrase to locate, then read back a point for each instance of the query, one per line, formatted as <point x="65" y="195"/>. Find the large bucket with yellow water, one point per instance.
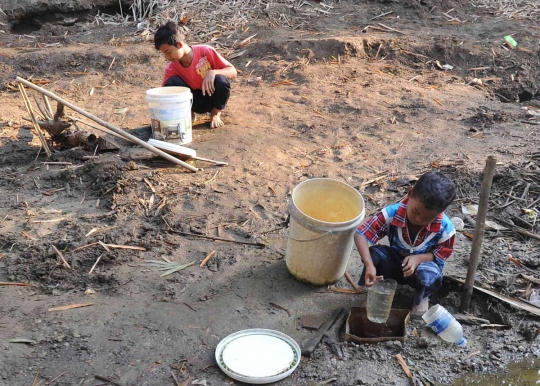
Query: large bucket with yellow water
<point x="324" y="216"/>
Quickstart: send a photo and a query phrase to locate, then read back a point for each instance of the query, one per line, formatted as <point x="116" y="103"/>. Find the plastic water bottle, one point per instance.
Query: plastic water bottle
<point x="445" y="325"/>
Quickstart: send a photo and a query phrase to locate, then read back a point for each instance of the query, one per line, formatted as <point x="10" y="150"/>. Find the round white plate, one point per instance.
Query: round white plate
<point x="258" y="356"/>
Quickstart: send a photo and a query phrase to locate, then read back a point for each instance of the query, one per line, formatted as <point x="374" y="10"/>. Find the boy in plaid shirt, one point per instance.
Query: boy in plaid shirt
<point x="421" y="239"/>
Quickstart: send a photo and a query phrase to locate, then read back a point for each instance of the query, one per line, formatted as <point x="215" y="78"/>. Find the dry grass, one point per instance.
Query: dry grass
<point x="513" y="9"/>
<point x="218" y="22"/>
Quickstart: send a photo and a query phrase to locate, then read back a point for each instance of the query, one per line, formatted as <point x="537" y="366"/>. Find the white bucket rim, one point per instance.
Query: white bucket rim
<point x="335" y="226"/>
<point x="173" y="94"/>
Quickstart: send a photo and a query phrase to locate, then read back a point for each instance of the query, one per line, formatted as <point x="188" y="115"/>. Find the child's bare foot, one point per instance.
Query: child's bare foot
<point x="215" y="119"/>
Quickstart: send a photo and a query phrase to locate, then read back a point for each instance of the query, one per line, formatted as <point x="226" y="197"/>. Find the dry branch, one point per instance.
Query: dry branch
<point x="34" y="121"/>
<point x="207" y="258"/>
<point x="69" y="307"/>
<point x="59" y="254"/>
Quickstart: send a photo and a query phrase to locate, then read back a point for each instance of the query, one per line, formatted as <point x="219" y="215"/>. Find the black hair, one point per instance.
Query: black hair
<point x="168" y="34"/>
<point x="435" y="190"/>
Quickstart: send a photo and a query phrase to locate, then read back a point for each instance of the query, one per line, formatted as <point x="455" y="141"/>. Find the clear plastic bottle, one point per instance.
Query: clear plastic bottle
<point x="445" y="325"/>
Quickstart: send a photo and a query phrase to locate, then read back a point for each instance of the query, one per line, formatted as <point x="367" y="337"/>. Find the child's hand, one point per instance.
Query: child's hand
<point x="208" y="83"/>
<point x="371" y="276"/>
<point x="409" y="265"/>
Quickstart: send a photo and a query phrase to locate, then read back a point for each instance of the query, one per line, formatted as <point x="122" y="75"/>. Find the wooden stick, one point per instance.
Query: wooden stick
<point x="404" y="366"/>
<point x="107" y="379"/>
<point x="84" y="247"/>
<point x="48" y="105"/>
<point x="95" y="264"/>
<point x="54" y="379"/>
<point x="507" y="299"/>
<point x="259" y="245"/>
<point x="8" y="283"/>
<point x="127" y="136"/>
<point x="71" y="306"/>
<point x="33" y="118"/>
<point x="310" y="345"/>
<point x="43" y="110"/>
<point x="479" y="230"/>
<point x="351" y="281"/>
<point x="96" y="127"/>
<point x="346" y="290"/>
<point x="479" y="68"/>
<point x="391" y="29"/>
<point x="61" y="257"/>
<point x="373" y="180"/>
<point x="220" y="163"/>
<point x="105" y="246"/>
<point x="208" y="257"/>
<point x="115" y="246"/>
<point x="519" y="230"/>
<point x="381" y="15"/>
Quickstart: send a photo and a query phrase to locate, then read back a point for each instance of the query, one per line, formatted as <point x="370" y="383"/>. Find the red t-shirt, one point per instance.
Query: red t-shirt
<point x="205" y="58"/>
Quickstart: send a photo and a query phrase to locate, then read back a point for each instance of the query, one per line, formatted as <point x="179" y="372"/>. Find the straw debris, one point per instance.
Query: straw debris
<point x="512" y="9"/>
<point x="224" y="25"/>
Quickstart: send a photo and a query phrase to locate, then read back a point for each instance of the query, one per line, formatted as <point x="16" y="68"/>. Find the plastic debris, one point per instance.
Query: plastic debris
<point x="471" y="209"/>
<point x="510" y="42"/>
<point x="458" y="223"/>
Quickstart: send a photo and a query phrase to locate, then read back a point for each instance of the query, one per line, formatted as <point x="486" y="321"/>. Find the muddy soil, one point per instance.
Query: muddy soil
<point x="356" y="106"/>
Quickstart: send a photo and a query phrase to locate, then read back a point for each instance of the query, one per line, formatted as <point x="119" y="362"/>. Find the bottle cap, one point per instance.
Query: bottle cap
<point x="462" y="342"/>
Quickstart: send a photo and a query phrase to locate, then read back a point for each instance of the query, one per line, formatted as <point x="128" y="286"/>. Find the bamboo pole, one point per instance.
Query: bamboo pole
<point x="478" y="233"/>
<point x="127" y="136"/>
<point x="34" y="121"/>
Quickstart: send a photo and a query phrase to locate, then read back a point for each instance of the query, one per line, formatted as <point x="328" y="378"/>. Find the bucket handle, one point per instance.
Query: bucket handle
<point x="312" y="239"/>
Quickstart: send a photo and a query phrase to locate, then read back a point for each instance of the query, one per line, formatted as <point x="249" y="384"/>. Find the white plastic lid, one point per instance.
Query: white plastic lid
<point x="172" y="148"/>
<point x="258" y="356"/>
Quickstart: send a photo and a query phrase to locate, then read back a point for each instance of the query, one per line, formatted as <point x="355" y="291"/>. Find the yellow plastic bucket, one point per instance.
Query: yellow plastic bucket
<point x="324" y="216"/>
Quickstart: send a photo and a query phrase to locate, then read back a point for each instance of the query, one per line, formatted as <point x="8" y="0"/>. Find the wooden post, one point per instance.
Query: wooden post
<point x="478" y="233"/>
<point x="127" y="136"/>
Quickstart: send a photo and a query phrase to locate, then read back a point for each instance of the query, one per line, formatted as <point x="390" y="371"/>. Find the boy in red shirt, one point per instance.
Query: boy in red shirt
<point x="198" y="67"/>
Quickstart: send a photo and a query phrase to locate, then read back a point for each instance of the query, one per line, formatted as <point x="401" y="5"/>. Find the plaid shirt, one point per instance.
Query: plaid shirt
<point x="437" y="237"/>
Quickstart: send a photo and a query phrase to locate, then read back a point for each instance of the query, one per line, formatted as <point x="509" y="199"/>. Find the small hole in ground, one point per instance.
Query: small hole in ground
<point x="525" y="96"/>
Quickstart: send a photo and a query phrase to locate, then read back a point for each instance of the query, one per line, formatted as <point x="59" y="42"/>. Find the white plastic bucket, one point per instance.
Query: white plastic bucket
<point x="170" y="111"/>
<point x="324" y="216"/>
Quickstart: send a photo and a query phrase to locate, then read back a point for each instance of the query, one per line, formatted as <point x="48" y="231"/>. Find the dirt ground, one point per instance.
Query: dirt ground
<point x="355" y="106"/>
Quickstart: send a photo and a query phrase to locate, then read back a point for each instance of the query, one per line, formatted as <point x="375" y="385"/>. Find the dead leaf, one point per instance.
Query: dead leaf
<point x="514" y="260"/>
<point x="121" y="111"/>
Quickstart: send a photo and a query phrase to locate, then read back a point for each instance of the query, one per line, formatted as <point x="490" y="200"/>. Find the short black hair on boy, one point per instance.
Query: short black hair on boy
<point x="435" y="190"/>
<point x="168" y="34"/>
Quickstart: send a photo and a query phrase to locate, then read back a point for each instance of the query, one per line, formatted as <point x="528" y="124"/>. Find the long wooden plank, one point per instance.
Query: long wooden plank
<point x="507" y="299"/>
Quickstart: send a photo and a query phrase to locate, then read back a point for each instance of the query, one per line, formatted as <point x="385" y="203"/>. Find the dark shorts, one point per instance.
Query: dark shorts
<point x="205" y="103"/>
<point x="427" y="277"/>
